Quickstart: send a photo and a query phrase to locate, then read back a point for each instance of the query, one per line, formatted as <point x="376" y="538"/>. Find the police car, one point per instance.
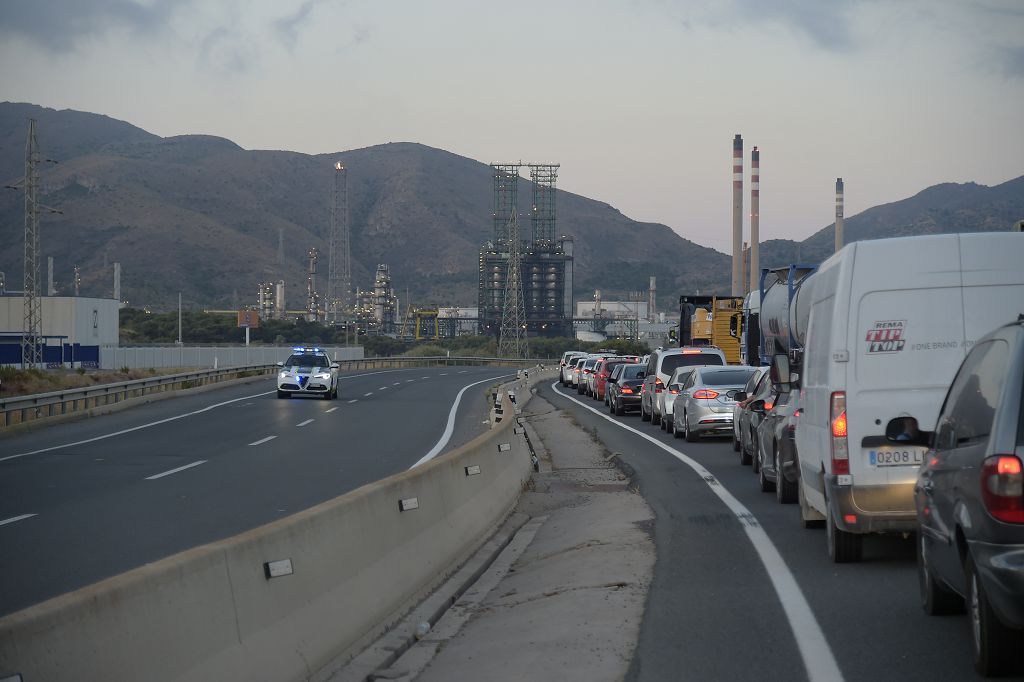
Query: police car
<point x="308" y="371"/>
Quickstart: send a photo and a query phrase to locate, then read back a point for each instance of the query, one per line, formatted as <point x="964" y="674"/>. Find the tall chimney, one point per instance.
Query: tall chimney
<point x="117" y="282"/>
<point x="755" y="203"/>
<point x="652" y="300"/>
<point x="839" y="213"/>
<point x="50" y="290"/>
<point x="737" y="215"/>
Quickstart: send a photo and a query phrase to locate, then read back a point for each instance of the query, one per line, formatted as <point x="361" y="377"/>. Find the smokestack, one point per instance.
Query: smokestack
<point x="117" y="282"/>
<point x="652" y="300"/>
<point x="839" y="213"/>
<point x="279" y="299"/>
<point x="50" y="290"/>
<point x="737" y="214"/>
<point x="755" y="203"/>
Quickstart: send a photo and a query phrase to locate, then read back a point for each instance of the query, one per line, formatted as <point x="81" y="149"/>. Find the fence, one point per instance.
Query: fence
<point x="143" y="357"/>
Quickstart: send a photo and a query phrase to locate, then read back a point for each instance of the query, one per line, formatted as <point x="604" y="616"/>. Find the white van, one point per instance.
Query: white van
<point x="889" y="322"/>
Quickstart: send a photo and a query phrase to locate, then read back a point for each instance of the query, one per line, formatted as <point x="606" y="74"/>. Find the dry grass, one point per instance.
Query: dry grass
<point x="15" y="382"/>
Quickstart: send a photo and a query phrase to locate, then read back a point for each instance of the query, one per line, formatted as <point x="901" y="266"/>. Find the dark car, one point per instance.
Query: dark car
<point x="603" y="370"/>
<point x="776" y="448"/>
<point x="624" y="388"/>
<point x="970" y="499"/>
<point x="750" y="417"/>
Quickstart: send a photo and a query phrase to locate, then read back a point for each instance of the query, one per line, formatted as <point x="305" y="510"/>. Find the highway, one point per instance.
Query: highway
<point x="86" y="500"/>
<point x="742" y="591"/>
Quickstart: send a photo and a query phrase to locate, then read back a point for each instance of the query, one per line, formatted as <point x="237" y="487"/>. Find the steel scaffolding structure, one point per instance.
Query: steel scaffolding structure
<point x="339" y="268"/>
<point x="542" y="215"/>
<point x="512" y="339"/>
<point x="506" y="201"/>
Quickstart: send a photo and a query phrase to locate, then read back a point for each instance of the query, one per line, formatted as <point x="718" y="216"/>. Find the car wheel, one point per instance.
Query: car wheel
<point x="755" y="456"/>
<point x="843" y="547"/>
<point x="620" y="410"/>
<point x="745" y="458"/>
<point x="670" y="425"/>
<point x="762" y="479"/>
<point x="785" y="491"/>
<point x="688" y="433"/>
<point x="994" y="644"/>
<point x="282" y="394"/>
<point x="936" y="600"/>
<point x="677" y="432"/>
<point x="735" y="443"/>
<point x="643" y="414"/>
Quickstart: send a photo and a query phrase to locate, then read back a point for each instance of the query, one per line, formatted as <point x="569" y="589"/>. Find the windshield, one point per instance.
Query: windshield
<point x="308" y="361"/>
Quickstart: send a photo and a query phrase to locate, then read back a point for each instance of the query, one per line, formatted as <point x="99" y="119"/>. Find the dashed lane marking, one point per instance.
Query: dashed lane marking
<point x="308" y="421"/>
<point x="15" y="519"/>
<point x="174" y="471"/>
<point x="261" y="441"/>
<point x="354" y="400"/>
<point x="330" y="410"/>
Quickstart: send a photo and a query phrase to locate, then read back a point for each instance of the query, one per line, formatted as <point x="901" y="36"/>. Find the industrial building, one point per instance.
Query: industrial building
<point x="545" y="261"/>
<point x="72" y="329"/>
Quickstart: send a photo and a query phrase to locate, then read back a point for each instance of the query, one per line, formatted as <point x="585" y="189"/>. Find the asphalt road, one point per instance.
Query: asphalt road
<point x="715" y="613"/>
<point x="89" y="499"/>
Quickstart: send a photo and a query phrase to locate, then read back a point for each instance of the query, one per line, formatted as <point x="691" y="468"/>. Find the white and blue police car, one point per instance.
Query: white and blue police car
<point x="308" y="371"/>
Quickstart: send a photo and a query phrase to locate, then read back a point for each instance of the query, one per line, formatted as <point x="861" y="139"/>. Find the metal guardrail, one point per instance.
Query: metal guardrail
<point x="22" y="409"/>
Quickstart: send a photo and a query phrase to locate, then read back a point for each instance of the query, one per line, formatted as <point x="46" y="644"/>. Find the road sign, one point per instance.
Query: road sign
<point x="249" y="319"/>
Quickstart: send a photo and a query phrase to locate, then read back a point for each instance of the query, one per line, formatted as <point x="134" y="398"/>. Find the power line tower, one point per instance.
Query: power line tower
<point x="512" y="340"/>
<point x="339" y="275"/>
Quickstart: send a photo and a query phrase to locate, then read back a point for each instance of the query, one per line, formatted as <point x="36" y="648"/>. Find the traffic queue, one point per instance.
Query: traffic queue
<point x="880" y="392"/>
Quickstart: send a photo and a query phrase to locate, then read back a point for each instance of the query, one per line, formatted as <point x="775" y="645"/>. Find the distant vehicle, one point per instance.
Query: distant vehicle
<point x="624" y="388"/>
<point x="746" y="329"/>
<point x="775" y="448"/>
<point x="308" y="371"/>
<point x="576" y="371"/>
<point x="586" y="370"/>
<point x="969" y="499"/>
<point x="566" y="363"/>
<point x="603" y="369"/>
<point x="890" y="320"/>
<point x="737" y="409"/>
<point x="666" y="400"/>
<point x="662" y="364"/>
<point x="707" y="321"/>
<point x="750" y="416"/>
<point x="705" y="401"/>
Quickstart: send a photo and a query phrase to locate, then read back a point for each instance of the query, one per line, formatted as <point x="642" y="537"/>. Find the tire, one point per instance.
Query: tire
<point x="655" y="418"/>
<point x="843" y="547"/>
<point x="994" y="645"/>
<point x="619" y="410"/>
<point x="745" y="458"/>
<point x="936" y="600"/>
<point x="677" y="433"/>
<point x="282" y="394"/>
<point x="762" y="478"/>
<point x="689" y="435"/>
<point x="785" y="491"/>
<point x="755" y="456"/>
<point x="670" y="426"/>
<point x="735" y="443"/>
<point x="643" y="413"/>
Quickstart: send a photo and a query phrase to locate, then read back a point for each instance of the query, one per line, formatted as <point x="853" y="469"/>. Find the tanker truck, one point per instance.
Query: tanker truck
<point x="779" y="327"/>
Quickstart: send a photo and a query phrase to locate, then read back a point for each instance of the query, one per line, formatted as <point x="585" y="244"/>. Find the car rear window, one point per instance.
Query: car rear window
<point x="726" y="377"/>
<point x="671" y="362"/>
<point x="631" y="371"/>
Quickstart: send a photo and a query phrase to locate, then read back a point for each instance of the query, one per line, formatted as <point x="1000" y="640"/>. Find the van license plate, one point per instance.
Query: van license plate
<point x="896" y="457"/>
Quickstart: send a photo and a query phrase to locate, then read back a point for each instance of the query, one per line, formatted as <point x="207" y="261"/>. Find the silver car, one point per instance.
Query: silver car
<point x="665" y="401"/>
<point x="705" y="401"/>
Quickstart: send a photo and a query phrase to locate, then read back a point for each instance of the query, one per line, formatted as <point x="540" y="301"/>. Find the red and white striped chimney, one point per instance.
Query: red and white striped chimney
<point x="737" y="215"/>
<point x="755" y="204"/>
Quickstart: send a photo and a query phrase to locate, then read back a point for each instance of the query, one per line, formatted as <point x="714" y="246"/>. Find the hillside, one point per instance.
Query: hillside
<point x="199" y="215"/>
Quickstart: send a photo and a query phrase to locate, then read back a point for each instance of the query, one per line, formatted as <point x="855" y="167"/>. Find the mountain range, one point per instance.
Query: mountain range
<point x="200" y="215"/>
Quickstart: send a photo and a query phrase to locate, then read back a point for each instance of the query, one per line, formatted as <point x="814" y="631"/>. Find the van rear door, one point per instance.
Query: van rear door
<point x="993" y="278"/>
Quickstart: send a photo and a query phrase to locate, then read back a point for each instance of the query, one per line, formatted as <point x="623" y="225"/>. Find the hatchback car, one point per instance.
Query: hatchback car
<point x="704" y="405"/>
<point x="750" y="417"/>
<point x="969" y="498"/>
<point x="776" y="448"/>
<point x="662" y="363"/>
<point x="603" y="370"/>
<point x="624" y="384"/>
<point x="666" y="400"/>
<point x="737" y="409"/>
<point x="308" y="371"/>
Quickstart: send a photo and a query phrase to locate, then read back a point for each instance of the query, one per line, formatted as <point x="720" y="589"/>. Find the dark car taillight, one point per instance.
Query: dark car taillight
<point x="1002" y="488"/>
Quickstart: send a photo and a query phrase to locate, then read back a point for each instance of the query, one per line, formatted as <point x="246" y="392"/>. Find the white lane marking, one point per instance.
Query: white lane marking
<point x="354" y="400"/>
<point x="367" y="395"/>
<point x="444" y="374"/>
<point x="13" y="519"/>
<point x="463" y="371"/>
<point x="332" y="409"/>
<point x="814" y="648"/>
<point x="409" y="381"/>
<point x="383" y="388"/>
<point x="397" y="383"/>
<point x="424" y="377"/>
<point x="174" y="471"/>
<point x="450" y="427"/>
<point x="261" y="441"/>
<point x="308" y="421"/>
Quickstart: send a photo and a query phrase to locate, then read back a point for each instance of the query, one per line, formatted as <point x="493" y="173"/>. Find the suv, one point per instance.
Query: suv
<point x="662" y="363"/>
<point x="308" y="371"/>
<point x="969" y="499"/>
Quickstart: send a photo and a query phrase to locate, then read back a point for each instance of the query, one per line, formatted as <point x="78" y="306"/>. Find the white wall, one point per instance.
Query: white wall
<point x="88" y="321"/>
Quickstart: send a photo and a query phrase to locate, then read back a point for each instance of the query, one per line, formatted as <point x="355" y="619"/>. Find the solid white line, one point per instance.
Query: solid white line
<point x="354" y="400"/>
<point x="332" y="409"/>
<point x="814" y="648"/>
<point x="308" y="421"/>
<point x="16" y="518"/>
<point x="261" y="441"/>
<point x="174" y="471"/>
<point x="450" y="427"/>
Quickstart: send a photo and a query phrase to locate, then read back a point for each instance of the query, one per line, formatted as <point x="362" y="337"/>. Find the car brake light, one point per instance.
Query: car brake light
<point x="658" y="386"/>
<point x="691" y="351"/>
<point x="768" y="405"/>
<point x="673" y="391"/>
<point x="840" y="448"/>
<point x="626" y="389"/>
<point x="706" y="394"/>
<point x="1002" y="488"/>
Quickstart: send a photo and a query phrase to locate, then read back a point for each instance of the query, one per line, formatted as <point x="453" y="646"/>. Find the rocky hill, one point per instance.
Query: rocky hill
<point x="200" y="215"/>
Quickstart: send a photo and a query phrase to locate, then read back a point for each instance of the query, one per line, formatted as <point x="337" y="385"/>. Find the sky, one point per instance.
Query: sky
<point x="638" y="100"/>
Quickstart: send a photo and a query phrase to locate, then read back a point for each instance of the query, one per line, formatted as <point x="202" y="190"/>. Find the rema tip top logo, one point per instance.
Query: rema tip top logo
<point x="886" y="336"/>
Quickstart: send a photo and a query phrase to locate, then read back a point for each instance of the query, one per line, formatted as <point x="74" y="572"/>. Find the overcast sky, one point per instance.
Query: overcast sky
<point x="638" y="100"/>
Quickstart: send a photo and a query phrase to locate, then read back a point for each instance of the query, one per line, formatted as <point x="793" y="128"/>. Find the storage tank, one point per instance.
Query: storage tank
<point x="779" y="330"/>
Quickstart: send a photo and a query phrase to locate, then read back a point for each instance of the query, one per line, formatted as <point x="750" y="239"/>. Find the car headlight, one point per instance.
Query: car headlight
<point x="283" y="374"/>
<point x="323" y="375"/>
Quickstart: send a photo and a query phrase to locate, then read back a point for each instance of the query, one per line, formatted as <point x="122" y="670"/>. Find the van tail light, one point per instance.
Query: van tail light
<point x="1002" y="488"/>
<point x="705" y="394"/>
<point x="658" y="386"/>
<point x="840" y="448"/>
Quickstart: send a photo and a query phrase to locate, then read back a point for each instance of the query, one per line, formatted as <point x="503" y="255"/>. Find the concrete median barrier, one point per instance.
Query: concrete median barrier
<point x="278" y="602"/>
